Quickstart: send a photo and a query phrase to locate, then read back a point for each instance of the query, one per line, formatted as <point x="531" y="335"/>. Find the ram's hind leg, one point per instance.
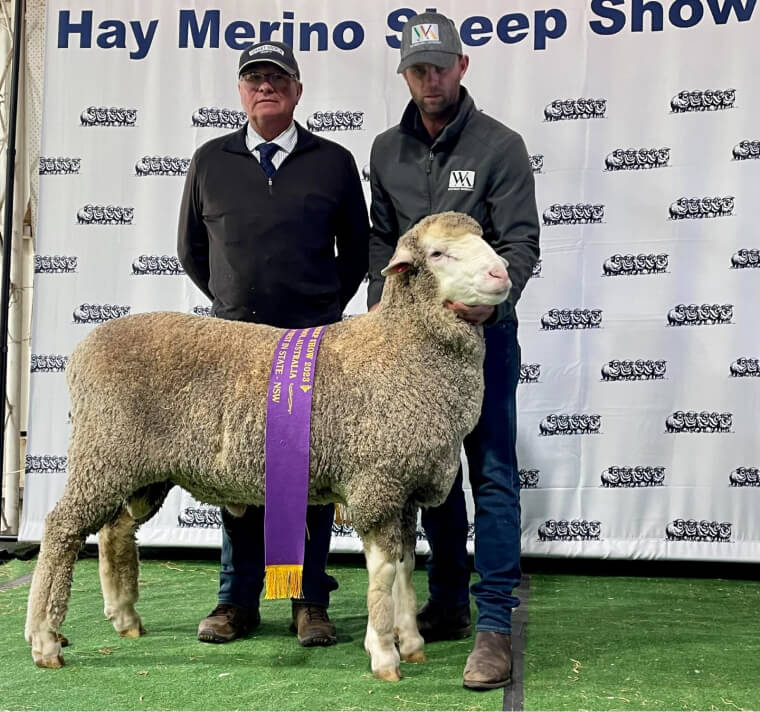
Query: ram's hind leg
<point x="379" y="641"/>
<point x="411" y="643"/>
<point x="72" y="519"/>
<point x="119" y="563"/>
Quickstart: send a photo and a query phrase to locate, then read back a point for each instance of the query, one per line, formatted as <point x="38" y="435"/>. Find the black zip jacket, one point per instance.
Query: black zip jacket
<point x="477" y="166"/>
<point x="266" y="251"/>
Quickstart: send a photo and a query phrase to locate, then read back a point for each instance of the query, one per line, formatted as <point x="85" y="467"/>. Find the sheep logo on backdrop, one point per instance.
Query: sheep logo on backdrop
<point x="705" y="100"/>
<point x="201" y="310"/>
<point x="200" y="517"/>
<point x="744" y="477"/>
<point x="529" y="478"/>
<point x="537" y="162"/>
<point x="98" y="313"/>
<point x="633" y="159"/>
<point x="335" y="121"/>
<point x="572" y="214"/>
<point x="48" y="363"/>
<point x="697" y="208"/>
<point x="536" y="272"/>
<point x="571" y="319"/>
<point x="633" y="265"/>
<point x="638" y="476"/>
<point x="746" y="149"/>
<point x="570" y="530"/>
<point x="55" y="264"/>
<point x="162" y="166"/>
<point x="570" y="424"/>
<point x="630" y="370"/>
<point x="564" y="109"/>
<point x="53" y="464"/>
<point x="157" y="265"/>
<point x="105" y="215"/>
<point x="705" y="421"/>
<point x="700" y="314"/>
<point x="692" y="530"/>
<point x="530" y="372"/>
<point x="214" y="117"/>
<point x="745" y="367"/>
<point x="108" y="116"/>
<point x="744" y="258"/>
<point x="59" y="166"/>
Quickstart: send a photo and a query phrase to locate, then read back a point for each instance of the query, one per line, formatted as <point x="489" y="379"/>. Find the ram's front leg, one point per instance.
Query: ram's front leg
<point x="379" y="641"/>
<point x="410" y="642"/>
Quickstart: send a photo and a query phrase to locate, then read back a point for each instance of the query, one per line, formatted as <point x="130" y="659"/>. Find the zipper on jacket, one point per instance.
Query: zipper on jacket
<point x="269" y="180"/>
<point x="431" y="157"/>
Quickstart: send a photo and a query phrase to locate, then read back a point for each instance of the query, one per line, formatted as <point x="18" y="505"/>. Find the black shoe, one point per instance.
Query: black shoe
<point x="227" y="622"/>
<point x="312" y="625"/>
<point x="437" y="622"/>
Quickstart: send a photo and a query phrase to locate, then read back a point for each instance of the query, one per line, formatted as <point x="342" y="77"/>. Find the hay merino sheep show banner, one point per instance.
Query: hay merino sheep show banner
<point x="640" y="387"/>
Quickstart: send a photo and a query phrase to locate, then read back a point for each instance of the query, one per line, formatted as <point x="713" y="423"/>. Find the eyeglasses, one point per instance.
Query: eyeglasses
<point x="277" y="80"/>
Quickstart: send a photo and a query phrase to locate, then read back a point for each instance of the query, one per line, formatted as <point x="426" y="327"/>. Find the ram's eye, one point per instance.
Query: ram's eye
<point x="436" y="253"/>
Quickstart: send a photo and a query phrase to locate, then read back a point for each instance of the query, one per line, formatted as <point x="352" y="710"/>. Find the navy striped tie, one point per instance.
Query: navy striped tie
<point x="266" y="151"/>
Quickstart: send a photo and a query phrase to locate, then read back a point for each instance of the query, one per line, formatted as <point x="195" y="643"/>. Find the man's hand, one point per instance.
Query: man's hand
<point x="473" y="315"/>
<point x="374" y="306"/>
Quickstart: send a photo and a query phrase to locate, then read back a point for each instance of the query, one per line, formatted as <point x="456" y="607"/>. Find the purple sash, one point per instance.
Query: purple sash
<point x="286" y="459"/>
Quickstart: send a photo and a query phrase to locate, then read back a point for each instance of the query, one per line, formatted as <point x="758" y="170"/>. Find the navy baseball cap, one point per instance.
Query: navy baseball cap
<point x="275" y="52"/>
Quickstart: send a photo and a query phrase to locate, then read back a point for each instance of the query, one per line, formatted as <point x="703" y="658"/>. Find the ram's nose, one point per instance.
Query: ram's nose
<point x="498" y="278"/>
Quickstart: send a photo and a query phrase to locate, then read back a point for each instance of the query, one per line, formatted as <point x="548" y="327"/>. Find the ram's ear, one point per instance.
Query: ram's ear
<point x="400" y="262"/>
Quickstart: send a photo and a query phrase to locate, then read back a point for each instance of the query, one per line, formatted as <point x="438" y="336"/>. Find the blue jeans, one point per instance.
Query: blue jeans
<point x="241" y="579"/>
<point x="494" y="479"/>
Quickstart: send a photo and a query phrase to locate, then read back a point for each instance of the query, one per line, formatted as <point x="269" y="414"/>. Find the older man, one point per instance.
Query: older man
<point x="447" y="155"/>
<point x="273" y="229"/>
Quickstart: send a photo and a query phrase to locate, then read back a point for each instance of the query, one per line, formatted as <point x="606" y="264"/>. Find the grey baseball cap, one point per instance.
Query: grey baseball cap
<point x="274" y="52"/>
<point x="429" y="38"/>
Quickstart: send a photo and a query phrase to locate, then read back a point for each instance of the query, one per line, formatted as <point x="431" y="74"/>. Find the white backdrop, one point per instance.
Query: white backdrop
<point x="638" y="430"/>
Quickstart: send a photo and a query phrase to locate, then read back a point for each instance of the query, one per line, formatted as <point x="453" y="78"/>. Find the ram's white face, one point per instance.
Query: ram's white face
<point x="467" y="268"/>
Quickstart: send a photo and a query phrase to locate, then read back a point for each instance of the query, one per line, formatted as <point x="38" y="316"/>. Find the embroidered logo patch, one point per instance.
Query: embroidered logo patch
<point x="425" y="33"/>
<point x="266" y="48"/>
<point x="462" y="180"/>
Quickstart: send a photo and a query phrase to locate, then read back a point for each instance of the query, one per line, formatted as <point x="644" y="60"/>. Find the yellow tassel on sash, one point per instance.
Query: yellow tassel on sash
<point x="284" y="581"/>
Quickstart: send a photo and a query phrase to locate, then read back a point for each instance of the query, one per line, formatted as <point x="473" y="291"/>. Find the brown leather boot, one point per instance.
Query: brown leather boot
<point x="312" y="625"/>
<point x="227" y="622"/>
<point x="490" y="663"/>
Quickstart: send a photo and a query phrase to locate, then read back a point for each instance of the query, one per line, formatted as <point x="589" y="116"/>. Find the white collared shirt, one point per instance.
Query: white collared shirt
<point x="286" y="141"/>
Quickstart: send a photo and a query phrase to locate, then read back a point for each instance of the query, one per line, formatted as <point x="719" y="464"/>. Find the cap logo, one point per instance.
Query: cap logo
<point x="427" y="32"/>
<point x="266" y="48"/>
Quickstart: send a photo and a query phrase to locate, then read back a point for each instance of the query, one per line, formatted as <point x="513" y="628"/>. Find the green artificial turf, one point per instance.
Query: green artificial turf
<point x="170" y="669"/>
<point x="593" y="643"/>
<point x="625" y="643"/>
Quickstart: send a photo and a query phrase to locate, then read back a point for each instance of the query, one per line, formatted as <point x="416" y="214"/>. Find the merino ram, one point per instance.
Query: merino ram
<point x="164" y="398"/>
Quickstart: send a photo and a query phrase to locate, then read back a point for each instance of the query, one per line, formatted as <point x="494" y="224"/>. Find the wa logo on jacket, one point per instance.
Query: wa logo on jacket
<point x="462" y="180"/>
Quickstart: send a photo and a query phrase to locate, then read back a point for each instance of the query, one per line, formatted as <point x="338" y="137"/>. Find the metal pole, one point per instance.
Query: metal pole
<point x="7" y="236"/>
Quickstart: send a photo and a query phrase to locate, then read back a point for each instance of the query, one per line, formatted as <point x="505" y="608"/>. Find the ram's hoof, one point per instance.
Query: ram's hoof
<point x="418" y="656"/>
<point x="53" y="662"/>
<point x="62" y="639"/>
<point x="134" y="632"/>
<point x="388" y="675"/>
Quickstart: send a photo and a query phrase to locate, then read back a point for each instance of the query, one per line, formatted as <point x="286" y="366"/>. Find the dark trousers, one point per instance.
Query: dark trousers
<point x="494" y="479"/>
<point x="241" y="579"/>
